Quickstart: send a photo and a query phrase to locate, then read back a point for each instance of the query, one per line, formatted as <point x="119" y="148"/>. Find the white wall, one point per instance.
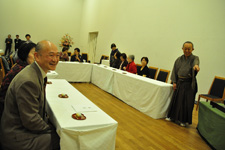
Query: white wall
<point x="153" y="28"/>
<point x="42" y="19"/>
<point x="157" y="29"/>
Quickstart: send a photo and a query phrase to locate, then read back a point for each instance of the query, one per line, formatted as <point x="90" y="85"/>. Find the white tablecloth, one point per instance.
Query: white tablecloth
<point x="97" y="132"/>
<point x="146" y="95"/>
<point x="102" y="76"/>
<point x="105" y="62"/>
<point x="149" y="96"/>
<point x="52" y="75"/>
<point x="74" y="71"/>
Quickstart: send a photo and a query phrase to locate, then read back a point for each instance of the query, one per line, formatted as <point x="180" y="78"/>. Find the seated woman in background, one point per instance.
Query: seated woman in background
<point x="116" y="61"/>
<point x="76" y="56"/>
<point x="131" y="67"/>
<point x="143" y="70"/>
<point x="124" y="63"/>
<point x="64" y="54"/>
<point x="25" y="57"/>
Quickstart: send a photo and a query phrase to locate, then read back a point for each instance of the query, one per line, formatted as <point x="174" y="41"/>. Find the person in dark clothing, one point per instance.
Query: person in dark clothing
<point x="114" y="50"/>
<point x="143" y="70"/>
<point x="64" y="54"/>
<point x="28" y="37"/>
<point x="185" y="86"/>
<point x="116" y="62"/>
<point x="17" y="42"/>
<point x="76" y="56"/>
<point x="124" y="62"/>
<point x="8" y="42"/>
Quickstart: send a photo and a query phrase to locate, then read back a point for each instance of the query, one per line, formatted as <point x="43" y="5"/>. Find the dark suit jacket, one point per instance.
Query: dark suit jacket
<point x="73" y="58"/>
<point x="116" y="63"/>
<point x="8" y="40"/>
<point x="17" y="43"/>
<point x="112" y="56"/>
<point x="125" y="63"/>
<point x="22" y="118"/>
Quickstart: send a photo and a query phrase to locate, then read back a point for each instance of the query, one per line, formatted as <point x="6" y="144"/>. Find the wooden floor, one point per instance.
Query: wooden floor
<point x="137" y="131"/>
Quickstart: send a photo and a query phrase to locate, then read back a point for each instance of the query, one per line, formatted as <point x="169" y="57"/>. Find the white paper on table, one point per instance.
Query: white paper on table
<point x="83" y="108"/>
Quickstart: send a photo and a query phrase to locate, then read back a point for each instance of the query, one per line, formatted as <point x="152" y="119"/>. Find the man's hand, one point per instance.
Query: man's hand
<point x="196" y="68"/>
<point x="77" y="58"/>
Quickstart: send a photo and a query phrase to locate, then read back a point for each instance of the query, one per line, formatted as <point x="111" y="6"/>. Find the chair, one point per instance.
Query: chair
<point x="104" y="57"/>
<point x="216" y="91"/>
<point x="163" y="75"/>
<point x="11" y="61"/>
<point x="69" y="53"/>
<point x="5" y="66"/>
<point x="2" y="69"/>
<point x="153" y="72"/>
<point x="85" y="56"/>
<point x="138" y="66"/>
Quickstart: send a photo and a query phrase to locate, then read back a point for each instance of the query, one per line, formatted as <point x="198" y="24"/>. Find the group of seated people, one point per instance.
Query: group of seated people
<point x="121" y="61"/>
<point x="64" y="56"/>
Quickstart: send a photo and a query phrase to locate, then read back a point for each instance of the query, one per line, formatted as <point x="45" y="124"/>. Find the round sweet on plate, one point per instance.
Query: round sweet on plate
<point x="78" y="116"/>
<point x="63" y="96"/>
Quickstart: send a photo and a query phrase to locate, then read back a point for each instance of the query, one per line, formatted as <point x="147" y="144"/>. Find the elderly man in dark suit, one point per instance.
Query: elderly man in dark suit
<point x="24" y="121"/>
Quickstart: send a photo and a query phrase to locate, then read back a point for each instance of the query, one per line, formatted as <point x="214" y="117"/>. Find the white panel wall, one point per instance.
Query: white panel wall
<point x="157" y="29"/>
<point x="43" y="19"/>
<point x="153" y="28"/>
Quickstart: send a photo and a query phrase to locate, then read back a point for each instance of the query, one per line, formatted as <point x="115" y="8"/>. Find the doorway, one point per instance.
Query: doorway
<point x="92" y="45"/>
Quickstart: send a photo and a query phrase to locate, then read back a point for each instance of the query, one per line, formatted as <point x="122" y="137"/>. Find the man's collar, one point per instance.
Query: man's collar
<point x="42" y="71"/>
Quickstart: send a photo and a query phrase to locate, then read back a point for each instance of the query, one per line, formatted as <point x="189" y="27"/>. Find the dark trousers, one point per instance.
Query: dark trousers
<point x="182" y="102"/>
<point x="41" y="142"/>
<point x="8" y="49"/>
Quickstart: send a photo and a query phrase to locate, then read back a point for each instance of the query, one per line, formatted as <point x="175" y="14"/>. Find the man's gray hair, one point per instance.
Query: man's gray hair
<point x="41" y="45"/>
<point x="131" y="57"/>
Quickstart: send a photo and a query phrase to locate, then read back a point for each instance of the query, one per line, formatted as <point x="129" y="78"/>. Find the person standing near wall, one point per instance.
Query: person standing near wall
<point x="114" y="50"/>
<point x="28" y="36"/>
<point x="17" y="42"/>
<point x="8" y="42"/>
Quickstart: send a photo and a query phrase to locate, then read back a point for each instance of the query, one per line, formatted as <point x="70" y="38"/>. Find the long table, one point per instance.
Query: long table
<point x="97" y="132"/>
<point x="105" y="62"/>
<point x="52" y="75"/>
<point x="74" y="71"/>
<point x="102" y="76"/>
<point x="149" y="96"/>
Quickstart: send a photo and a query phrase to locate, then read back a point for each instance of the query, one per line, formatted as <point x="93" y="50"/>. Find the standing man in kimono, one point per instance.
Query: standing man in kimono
<point x="183" y="76"/>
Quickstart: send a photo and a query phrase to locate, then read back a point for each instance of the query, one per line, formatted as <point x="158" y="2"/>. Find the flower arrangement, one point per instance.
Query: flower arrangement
<point x="66" y="41"/>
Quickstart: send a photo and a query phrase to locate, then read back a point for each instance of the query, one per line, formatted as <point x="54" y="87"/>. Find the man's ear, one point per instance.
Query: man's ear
<point x="193" y="49"/>
<point x="35" y="55"/>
